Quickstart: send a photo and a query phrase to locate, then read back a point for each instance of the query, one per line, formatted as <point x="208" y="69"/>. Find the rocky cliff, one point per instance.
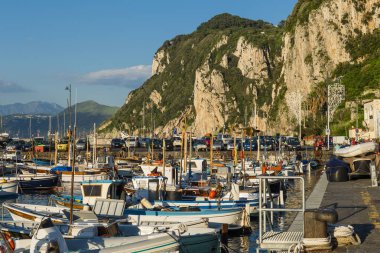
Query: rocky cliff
<point x="233" y="72"/>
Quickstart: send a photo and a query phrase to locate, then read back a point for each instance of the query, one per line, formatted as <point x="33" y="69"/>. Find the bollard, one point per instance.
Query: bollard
<point x="315" y="222"/>
<point x="224" y="234"/>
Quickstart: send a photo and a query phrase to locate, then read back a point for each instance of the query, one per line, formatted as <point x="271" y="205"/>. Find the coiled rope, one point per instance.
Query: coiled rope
<point x="344" y="235"/>
<point x="339" y="236"/>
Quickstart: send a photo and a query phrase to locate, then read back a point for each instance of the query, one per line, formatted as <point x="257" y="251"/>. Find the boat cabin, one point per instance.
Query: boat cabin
<point x="102" y="189"/>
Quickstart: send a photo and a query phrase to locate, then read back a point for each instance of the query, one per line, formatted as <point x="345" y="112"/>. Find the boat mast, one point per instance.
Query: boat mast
<point x="71" y="163"/>
<point x="94" y="148"/>
<point x="190" y="153"/>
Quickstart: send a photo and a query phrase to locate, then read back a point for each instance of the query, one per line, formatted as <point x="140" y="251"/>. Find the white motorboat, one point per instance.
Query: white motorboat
<point x="356" y="150"/>
<point x="48" y="238"/>
<point x="8" y="188"/>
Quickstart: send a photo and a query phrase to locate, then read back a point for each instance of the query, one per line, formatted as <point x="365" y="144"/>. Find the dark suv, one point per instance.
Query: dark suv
<point x="293" y="144"/>
<point x="117" y="144"/>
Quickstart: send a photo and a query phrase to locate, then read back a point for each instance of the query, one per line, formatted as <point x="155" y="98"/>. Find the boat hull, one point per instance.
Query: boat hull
<point x="8" y="189"/>
<point x="213" y="204"/>
<point x="357" y="150"/>
<point x="66" y="177"/>
<point x="232" y="217"/>
<point x="37" y="182"/>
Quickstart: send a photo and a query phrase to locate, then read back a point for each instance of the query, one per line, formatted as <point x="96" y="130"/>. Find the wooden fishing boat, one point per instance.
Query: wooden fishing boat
<point x="91" y="191"/>
<point x="33" y="181"/>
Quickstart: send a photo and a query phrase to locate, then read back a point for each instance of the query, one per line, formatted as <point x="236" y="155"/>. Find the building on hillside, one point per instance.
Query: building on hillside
<point x="372" y="118"/>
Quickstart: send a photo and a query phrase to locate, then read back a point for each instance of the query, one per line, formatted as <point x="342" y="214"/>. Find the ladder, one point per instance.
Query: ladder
<point x="272" y="239"/>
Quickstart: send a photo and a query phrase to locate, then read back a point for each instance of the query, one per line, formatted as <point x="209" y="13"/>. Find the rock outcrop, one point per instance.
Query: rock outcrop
<point x="313" y="49"/>
<point x="218" y="76"/>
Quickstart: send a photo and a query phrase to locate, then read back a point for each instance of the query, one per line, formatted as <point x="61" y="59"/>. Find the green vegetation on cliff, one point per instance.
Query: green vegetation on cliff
<point x="186" y="54"/>
<point x="359" y="76"/>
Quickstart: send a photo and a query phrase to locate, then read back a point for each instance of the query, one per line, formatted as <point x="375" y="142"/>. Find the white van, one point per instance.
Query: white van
<point x="225" y="138"/>
<point x="340" y="140"/>
<point x="132" y="142"/>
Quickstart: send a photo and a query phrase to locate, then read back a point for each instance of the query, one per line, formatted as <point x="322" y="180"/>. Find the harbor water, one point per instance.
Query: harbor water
<point x="247" y="243"/>
<point x="243" y="243"/>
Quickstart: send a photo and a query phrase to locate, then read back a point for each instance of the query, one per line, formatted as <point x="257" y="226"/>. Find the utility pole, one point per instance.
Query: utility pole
<point x="144" y="118"/>
<point x="357" y="123"/>
<point x="335" y="95"/>
<point x="299" y="115"/>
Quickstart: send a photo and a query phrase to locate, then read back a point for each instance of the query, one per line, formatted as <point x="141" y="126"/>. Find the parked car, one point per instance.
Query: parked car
<point x="81" y="144"/>
<point x="157" y="143"/>
<point x="230" y="145"/>
<point x="218" y="145"/>
<point x="144" y="142"/>
<point x="28" y="146"/>
<point x="117" y="143"/>
<point x="225" y="138"/>
<point x="132" y="142"/>
<point x="177" y="141"/>
<point x="15" y="145"/>
<point x="63" y="144"/>
<point x="293" y="143"/>
<point x="199" y="145"/>
<point x="266" y="144"/>
<point x="169" y="144"/>
<point x="250" y="144"/>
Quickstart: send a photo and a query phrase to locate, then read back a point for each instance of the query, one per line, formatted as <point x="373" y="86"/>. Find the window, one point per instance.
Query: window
<point x="92" y="190"/>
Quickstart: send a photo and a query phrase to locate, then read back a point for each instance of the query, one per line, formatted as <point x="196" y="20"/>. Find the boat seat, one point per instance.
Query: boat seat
<point x="81" y="216"/>
<point x="109" y="207"/>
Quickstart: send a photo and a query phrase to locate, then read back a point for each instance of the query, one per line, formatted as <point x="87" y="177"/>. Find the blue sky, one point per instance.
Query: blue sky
<point x="104" y="49"/>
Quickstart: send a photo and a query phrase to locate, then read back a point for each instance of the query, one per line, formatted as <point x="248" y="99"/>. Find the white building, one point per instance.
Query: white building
<point x="372" y="118"/>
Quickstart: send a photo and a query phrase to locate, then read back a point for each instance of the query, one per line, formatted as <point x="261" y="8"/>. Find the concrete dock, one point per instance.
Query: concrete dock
<point x="357" y="204"/>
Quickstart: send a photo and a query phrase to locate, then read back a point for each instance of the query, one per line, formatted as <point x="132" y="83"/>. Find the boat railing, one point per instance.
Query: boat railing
<point x="272" y="239"/>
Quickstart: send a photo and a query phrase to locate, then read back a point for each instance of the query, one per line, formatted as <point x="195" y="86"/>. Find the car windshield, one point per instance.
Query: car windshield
<point x="294" y="141"/>
<point x="131" y="139"/>
<point x="64" y="141"/>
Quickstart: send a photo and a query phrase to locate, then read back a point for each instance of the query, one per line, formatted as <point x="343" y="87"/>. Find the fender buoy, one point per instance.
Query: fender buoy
<point x="154" y="174"/>
<point x="10" y="241"/>
<point x="212" y="194"/>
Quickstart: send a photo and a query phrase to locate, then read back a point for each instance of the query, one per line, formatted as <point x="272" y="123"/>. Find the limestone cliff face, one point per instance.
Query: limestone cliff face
<point x="222" y="73"/>
<point x="252" y="60"/>
<point x="209" y="97"/>
<point x="313" y="50"/>
<point x="160" y="60"/>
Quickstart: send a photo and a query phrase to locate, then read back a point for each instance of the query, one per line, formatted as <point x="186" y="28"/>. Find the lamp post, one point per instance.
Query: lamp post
<point x="335" y="95"/>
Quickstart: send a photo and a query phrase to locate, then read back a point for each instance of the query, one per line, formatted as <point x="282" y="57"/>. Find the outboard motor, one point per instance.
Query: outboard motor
<point x="47" y="238"/>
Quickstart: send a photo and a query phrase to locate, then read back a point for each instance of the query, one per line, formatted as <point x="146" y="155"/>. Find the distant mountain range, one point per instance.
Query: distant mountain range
<point x="31" y="108"/>
<point x="38" y="122"/>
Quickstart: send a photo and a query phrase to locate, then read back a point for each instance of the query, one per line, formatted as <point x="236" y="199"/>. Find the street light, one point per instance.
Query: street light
<point x="335" y="95"/>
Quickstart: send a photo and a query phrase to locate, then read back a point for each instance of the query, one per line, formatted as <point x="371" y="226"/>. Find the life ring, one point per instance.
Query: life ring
<point x="10" y="241"/>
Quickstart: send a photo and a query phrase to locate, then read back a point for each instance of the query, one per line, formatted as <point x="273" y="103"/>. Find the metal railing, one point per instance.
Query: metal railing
<point x="263" y="202"/>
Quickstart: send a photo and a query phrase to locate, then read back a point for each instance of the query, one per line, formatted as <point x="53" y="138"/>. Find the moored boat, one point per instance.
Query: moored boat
<point x="356" y="150"/>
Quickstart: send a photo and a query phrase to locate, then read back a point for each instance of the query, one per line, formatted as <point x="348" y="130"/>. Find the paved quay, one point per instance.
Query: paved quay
<point x="357" y="204"/>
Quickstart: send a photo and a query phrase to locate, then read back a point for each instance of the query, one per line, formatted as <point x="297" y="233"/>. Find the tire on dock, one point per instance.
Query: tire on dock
<point x="337" y="174"/>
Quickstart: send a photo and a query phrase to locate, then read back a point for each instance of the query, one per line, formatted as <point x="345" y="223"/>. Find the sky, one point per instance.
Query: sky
<point x="104" y="49"/>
